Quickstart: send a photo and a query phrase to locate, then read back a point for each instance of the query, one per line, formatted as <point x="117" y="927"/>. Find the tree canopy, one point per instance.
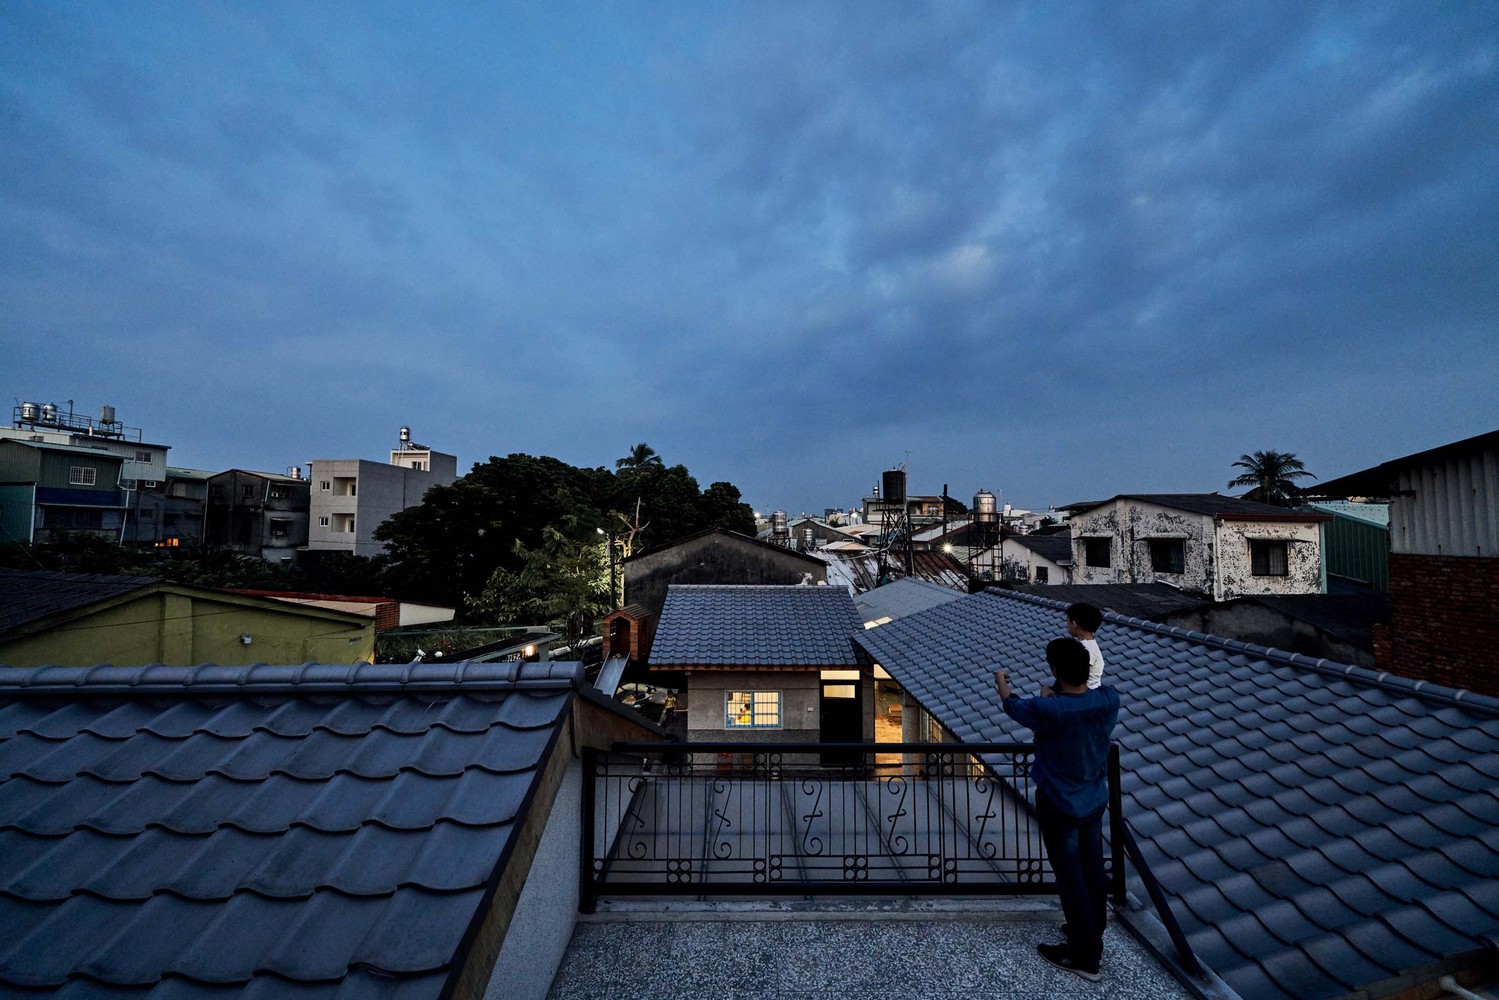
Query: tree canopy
<point x="1272" y="474"/>
<point x="515" y="514"/>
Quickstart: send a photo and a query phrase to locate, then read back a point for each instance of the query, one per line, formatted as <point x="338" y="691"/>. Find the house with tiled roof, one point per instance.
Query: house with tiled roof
<point x="766" y="663"/>
<point x="1318" y="829"/>
<point x="79" y="619"/>
<point x="405" y="831"/>
<point x="1221" y="546"/>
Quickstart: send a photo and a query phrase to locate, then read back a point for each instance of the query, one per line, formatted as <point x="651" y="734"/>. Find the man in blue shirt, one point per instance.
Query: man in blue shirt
<point x="1072" y="728"/>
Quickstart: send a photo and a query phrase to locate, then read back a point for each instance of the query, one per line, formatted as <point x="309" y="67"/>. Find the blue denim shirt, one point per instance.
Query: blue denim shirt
<point x="1072" y="745"/>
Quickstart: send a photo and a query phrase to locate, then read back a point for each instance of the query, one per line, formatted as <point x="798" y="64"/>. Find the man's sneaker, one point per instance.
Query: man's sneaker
<point x="1061" y="956"/>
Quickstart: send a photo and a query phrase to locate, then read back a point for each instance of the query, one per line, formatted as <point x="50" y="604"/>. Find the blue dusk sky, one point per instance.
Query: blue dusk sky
<point x="1058" y="251"/>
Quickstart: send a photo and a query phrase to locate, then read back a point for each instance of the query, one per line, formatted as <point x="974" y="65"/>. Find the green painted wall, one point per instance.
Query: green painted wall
<point x="182" y="629"/>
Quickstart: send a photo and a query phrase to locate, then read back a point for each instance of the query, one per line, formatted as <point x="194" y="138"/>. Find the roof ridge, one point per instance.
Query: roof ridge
<point x="1425" y="690"/>
<point x="156" y="679"/>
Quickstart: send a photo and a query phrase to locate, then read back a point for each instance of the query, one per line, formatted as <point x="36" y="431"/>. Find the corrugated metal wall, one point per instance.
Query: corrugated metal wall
<point x="1358" y="550"/>
<point x="1454" y="510"/>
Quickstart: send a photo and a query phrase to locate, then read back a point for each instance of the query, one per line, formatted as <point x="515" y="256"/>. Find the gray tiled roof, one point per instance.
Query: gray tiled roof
<point x="280" y="831"/>
<point x="1152" y="601"/>
<point x="903" y="597"/>
<point x="1318" y="827"/>
<point x="755" y="626"/>
<point x="29" y="596"/>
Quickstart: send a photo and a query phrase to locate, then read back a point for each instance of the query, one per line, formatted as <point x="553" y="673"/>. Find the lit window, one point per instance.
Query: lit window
<point x="752" y="710"/>
<point x="79" y="475"/>
<point x="1267" y="557"/>
<point x="1167" y="555"/>
<point x="1096" y="552"/>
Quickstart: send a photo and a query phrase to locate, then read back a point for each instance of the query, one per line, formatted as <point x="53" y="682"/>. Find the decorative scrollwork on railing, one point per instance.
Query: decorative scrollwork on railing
<point x="934" y="867"/>
<point x="1030" y="870"/>
<point x="949" y="869"/>
<point x="774" y="867"/>
<point x="1020" y="766"/>
<point x="811" y="845"/>
<point x="855" y="868"/>
<point x="679" y="870"/>
<point x="681" y="767"/>
<point x="897" y="785"/>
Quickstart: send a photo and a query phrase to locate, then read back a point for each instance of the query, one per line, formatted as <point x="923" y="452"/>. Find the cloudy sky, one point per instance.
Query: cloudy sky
<point x="1056" y="251"/>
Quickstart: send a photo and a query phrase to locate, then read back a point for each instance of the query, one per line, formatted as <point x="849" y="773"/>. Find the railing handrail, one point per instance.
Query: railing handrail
<point x="965" y="749"/>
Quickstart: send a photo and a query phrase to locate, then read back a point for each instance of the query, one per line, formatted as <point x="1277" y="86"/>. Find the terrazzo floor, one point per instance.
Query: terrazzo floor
<point x="846" y="953"/>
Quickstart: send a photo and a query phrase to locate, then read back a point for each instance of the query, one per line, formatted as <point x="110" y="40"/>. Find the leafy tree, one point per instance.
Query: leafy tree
<point x="1272" y="474"/>
<point x="563" y="583"/>
<point x="722" y="508"/>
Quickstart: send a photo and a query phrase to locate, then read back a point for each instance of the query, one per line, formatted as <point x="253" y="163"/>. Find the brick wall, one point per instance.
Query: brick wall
<point x="1444" y="621"/>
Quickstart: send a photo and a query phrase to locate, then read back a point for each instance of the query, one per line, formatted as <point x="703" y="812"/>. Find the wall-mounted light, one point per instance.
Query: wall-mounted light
<point x="245" y="639"/>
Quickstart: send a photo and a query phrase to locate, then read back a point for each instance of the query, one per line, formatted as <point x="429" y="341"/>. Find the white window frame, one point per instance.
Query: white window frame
<point x="324" y="485"/>
<point x="82" y="475"/>
<point x="753" y="710"/>
<point x="323" y="520"/>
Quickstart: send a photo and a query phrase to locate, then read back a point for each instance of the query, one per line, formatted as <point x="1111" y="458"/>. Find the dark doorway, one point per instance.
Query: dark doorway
<point x="841" y="718"/>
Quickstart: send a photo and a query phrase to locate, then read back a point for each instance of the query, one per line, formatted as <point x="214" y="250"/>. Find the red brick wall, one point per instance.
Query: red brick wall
<point x="1444" y="622"/>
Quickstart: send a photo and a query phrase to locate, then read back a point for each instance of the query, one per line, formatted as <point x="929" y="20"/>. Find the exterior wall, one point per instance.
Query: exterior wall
<point x="179" y="629"/>
<point x="1234" y="577"/>
<point x="1131" y="525"/>
<point x="801" y="691"/>
<point x="1448" y="507"/>
<point x="1358" y="550"/>
<point x="1012" y="555"/>
<point x="1443" y="625"/>
<point x="257" y="514"/>
<point x="172" y="509"/>
<point x="1215" y="552"/>
<point x="542" y="926"/>
<point x="1249" y="621"/>
<point x="378" y="491"/>
<point x="713" y="558"/>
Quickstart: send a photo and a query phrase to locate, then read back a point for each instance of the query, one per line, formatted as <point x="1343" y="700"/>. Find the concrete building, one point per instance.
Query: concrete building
<point x="48" y="490"/>
<point x="257" y="513"/>
<point x="1224" y="547"/>
<point x="169" y="513"/>
<point x="351" y="497"/>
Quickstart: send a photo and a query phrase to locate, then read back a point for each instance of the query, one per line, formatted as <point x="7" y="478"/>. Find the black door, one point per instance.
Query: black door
<point x="841" y="718"/>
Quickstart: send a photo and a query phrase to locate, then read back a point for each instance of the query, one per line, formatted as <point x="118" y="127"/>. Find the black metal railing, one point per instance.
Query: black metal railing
<point x="810" y="819"/>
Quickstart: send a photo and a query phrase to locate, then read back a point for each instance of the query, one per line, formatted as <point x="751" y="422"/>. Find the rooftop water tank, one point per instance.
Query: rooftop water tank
<point x="984" y="510"/>
<point x="895" y="485"/>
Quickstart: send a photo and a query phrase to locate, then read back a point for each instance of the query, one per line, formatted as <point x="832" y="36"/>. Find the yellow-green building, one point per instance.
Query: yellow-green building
<point x="71" y="619"/>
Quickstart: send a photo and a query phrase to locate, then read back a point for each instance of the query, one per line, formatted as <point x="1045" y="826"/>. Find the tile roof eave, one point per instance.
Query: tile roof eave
<point x="305" y="679"/>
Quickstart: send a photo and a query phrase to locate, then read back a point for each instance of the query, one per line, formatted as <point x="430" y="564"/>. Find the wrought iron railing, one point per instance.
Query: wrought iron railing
<point x="811" y="819"/>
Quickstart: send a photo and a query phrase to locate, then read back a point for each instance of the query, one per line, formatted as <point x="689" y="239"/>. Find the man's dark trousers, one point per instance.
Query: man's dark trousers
<point x="1075" y="848"/>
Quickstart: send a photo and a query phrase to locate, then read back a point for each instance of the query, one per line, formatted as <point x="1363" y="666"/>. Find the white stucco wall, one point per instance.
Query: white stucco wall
<point x="548" y="906"/>
<point x="1215" y="553"/>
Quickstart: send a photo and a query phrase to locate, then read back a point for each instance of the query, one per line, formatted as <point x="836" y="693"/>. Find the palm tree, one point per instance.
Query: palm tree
<point x="641" y="456"/>
<point x="1273" y="475"/>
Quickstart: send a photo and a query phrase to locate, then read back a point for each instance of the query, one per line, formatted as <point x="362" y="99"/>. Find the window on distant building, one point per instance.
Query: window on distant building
<point x="280" y="492"/>
<point x="323" y="521"/>
<point x="148" y="484"/>
<point x="1267" y="557"/>
<point x="143" y="456"/>
<point x="248" y="492"/>
<point x="752" y="709"/>
<point x="1167" y="555"/>
<point x="280" y="527"/>
<point x="324" y="485"/>
<point x="80" y="475"/>
<point x="350" y="526"/>
<point x="1041" y="575"/>
<point x="1096" y="552"/>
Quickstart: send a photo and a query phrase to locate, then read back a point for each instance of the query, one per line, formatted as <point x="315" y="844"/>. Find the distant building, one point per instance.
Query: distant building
<point x="48" y="490"/>
<point x="1221" y="546"/>
<point x="169" y="513"/>
<point x="1444" y="561"/>
<point x="257" y="513"/>
<point x="67" y="473"/>
<point x="351" y="497"/>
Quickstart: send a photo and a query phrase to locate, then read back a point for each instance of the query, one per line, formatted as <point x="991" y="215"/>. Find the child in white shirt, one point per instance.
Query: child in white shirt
<point x="1083" y="620"/>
